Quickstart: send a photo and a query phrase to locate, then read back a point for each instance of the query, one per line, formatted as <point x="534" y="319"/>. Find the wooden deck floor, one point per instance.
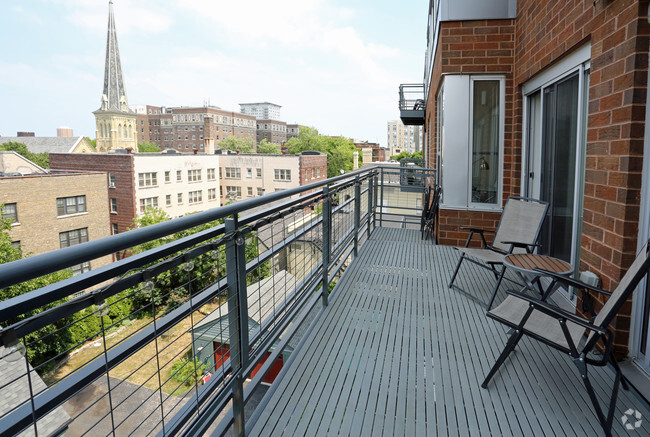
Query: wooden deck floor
<point x="399" y="354"/>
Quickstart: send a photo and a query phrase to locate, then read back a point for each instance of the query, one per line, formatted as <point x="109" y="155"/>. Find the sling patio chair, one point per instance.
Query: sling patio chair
<point x="517" y="232"/>
<point x="426" y="200"/>
<point x="430" y="219"/>
<point x="564" y="331"/>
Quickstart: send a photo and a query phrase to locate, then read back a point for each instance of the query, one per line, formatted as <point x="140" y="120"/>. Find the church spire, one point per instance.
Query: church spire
<point x="114" y="95"/>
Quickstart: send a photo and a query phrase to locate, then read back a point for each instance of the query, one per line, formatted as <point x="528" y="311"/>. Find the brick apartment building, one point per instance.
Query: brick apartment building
<point x="69" y="207"/>
<point x="274" y="131"/>
<point x="546" y="99"/>
<point x="378" y="153"/>
<point x="185" y="129"/>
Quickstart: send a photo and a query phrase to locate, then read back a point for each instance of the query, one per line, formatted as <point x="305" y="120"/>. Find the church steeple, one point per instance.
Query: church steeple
<point x="114" y="96"/>
<point x="116" y="123"/>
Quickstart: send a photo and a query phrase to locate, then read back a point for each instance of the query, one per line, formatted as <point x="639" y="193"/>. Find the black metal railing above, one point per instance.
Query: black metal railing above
<point x="412" y="104"/>
<point x="165" y="339"/>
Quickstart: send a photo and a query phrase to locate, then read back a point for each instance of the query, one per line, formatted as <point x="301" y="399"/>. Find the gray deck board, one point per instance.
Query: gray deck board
<point x="398" y="353"/>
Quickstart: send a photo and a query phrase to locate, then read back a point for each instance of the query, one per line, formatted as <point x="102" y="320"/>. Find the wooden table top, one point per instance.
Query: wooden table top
<point x="531" y="261"/>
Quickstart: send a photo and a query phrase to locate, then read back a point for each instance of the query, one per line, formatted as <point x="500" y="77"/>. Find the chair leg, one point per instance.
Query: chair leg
<point x="612" y="360"/>
<point x="496" y="287"/>
<point x="605" y="422"/>
<point x="510" y="346"/>
<point x="453" y="278"/>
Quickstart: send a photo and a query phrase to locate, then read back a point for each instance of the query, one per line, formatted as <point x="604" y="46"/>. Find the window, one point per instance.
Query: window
<point x="259" y="173"/>
<point x="250" y="191"/>
<point x="147" y="179"/>
<point x="148" y="202"/>
<point x="70" y="205"/>
<point x="284" y="174"/>
<point x="113" y="205"/>
<point x="249" y="172"/>
<point x="168" y="177"/>
<point x="115" y="228"/>
<point x="233" y="173"/>
<point x="211" y="174"/>
<point x="306" y="175"/>
<point x="10" y="212"/>
<point x="71" y="238"/>
<point x="318" y="172"/>
<point x="195" y="196"/>
<point x="234" y="192"/>
<point x="260" y="191"/>
<point x="168" y="199"/>
<point x="180" y="198"/>
<point x="194" y="175"/>
<point x="470" y="160"/>
<point x="313" y="173"/>
<point x="212" y="193"/>
<point x="111" y="180"/>
<point x="179" y="176"/>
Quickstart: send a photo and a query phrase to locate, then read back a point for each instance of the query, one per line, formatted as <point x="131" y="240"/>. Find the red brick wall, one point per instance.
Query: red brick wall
<point x="121" y="165"/>
<point x="474" y="47"/>
<point x="618" y="32"/>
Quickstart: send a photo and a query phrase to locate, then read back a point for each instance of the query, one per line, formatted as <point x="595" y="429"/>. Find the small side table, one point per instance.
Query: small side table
<point x="526" y="263"/>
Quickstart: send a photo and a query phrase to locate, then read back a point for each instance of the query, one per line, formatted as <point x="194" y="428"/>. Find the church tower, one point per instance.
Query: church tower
<point x="115" y="122"/>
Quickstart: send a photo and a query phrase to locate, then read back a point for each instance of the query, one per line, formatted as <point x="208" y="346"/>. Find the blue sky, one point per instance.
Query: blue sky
<point x="332" y="64"/>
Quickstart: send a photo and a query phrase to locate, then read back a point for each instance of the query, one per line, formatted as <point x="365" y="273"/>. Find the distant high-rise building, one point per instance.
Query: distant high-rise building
<point x="403" y="138"/>
<point x="261" y="111"/>
<point x="64" y="131"/>
<point x="115" y="121"/>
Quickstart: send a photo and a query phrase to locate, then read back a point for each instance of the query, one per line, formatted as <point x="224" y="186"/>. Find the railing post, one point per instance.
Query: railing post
<point x="374" y="202"/>
<point x="370" y="199"/>
<point x="327" y="233"/>
<point x="357" y="214"/>
<point x="237" y="319"/>
<point x="381" y="205"/>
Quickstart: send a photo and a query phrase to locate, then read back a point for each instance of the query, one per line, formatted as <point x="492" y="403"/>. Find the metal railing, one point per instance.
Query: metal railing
<point x="177" y="338"/>
<point x="411" y="97"/>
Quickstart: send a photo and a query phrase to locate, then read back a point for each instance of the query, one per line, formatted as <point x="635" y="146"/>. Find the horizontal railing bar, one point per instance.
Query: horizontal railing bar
<point x="38" y="265"/>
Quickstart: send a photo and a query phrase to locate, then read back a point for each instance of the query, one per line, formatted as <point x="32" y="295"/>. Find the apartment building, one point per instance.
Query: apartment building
<point x="189" y="129"/>
<point x="377" y="153"/>
<point x="274" y="131"/>
<point x="175" y="183"/>
<point x="403" y="138"/>
<point x="52" y="210"/>
<point x="261" y="111"/>
<point x="549" y="100"/>
<point x="250" y="175"/>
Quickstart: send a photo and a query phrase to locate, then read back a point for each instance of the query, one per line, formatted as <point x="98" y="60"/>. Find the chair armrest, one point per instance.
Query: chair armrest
<point x="572" y="282"/>
<point x="558" y="313"/>
<point x="479" y="230"/>
<point x="527" y="246"/>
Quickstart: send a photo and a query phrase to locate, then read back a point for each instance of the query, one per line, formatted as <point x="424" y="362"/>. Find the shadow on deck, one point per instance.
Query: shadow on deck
<point x="398" y="353"/>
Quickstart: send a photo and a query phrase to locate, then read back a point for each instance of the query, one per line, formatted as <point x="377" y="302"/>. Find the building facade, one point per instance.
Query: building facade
<point x="548" y="100"/>
<point x="68" y="208"/>
<point x="401" y="138"/>
<point x="274" y="131"/>
<point x="261" y="111"/>
<point x="251" y="175"/>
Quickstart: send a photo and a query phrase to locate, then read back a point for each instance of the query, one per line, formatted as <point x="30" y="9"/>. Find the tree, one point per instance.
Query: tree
<point x="40" y="159"/>
<point x="243" y="145"/>
<point x="58" y="336"/>
<point x="339" y="150"/>
<point x="92" y="142"/>
<point x="269" y="148"/>
<point x="407" y="155"/>
<point x="147" y="147"/>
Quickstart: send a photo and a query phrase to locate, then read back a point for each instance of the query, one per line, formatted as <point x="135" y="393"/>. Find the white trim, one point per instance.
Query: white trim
<point x="572" y="61"/>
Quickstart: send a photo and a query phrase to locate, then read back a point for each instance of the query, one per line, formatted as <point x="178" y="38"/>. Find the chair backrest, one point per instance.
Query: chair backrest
<point x="625" y="288"/>
<point x="521" y="221"/>
<point x="435" y="202"/>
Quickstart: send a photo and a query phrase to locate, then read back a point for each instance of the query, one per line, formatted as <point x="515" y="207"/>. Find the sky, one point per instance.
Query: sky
<point x="332" y="64"/>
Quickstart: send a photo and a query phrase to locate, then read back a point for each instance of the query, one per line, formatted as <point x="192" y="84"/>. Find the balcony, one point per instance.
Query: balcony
<point x="329" y="281"/>
<point x="412" y="104"/>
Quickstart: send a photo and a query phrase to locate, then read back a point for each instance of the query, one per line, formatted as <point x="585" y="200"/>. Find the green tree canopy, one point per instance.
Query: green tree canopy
<point x="40" y="159"/>
<point x="267" y="147"/>
<point x="92" y="142"/>
<point x="407" y="155"/>
<point x="148" y="147"/>
<point x="339" y="150"/>
<point x="244" y="145"/>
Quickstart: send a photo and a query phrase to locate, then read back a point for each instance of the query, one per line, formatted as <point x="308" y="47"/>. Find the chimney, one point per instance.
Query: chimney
<point x="25" y="134"/>
<point x="355" y="160"/>
<point x="129" y="150"/>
